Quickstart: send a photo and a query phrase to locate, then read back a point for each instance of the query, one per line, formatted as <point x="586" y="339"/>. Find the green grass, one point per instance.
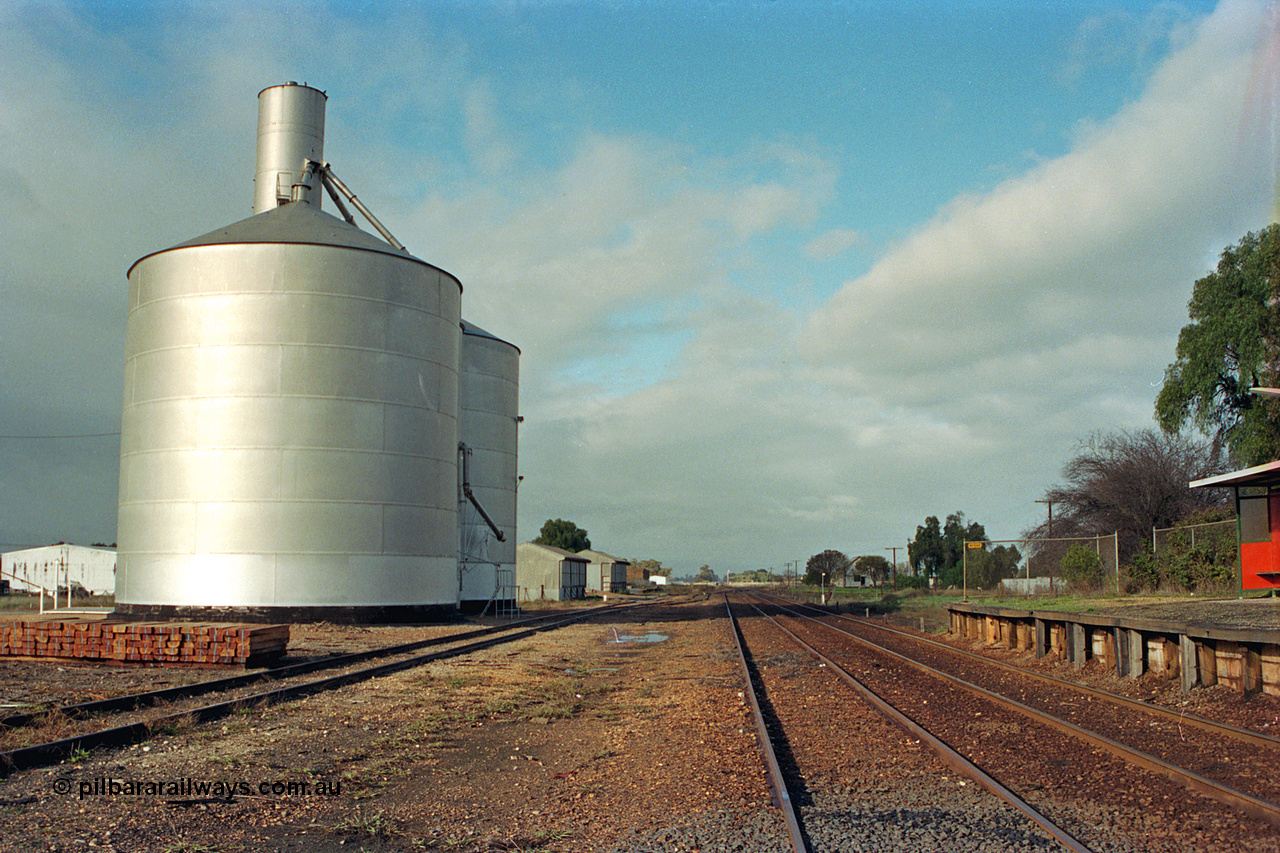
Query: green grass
<point x="933" y="606"/>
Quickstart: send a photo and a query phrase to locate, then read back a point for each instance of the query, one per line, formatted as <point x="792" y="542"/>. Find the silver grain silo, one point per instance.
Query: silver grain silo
<point x="289" y="438"/>
<point x="488" y="417"/>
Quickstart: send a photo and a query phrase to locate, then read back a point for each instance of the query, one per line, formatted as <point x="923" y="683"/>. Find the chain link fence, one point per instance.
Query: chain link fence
<point x="1053" y="565"/>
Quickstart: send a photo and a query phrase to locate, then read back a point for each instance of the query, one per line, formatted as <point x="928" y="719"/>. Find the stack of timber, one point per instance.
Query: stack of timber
<point x="143" y="642"/>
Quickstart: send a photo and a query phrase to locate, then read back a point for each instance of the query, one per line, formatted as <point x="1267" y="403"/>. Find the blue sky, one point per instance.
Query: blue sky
<point x="786" y="276"/>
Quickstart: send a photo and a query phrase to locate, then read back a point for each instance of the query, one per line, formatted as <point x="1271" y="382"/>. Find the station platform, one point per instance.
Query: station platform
<point x="1240" y="653"/>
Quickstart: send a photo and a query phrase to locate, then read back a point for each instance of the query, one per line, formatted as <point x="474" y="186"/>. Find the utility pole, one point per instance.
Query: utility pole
<point x="1049" y="535"/>
<point x="894" y="566"/>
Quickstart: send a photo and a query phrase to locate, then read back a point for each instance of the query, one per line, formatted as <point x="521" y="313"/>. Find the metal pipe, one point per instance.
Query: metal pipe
<point x="337" y="199"/>
<point x="470" y="495"/>
<point x="301" y="189"/>
<point x="327" y="172"/>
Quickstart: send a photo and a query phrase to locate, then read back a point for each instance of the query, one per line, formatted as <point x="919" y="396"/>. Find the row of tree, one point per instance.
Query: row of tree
<point x="1133" y="482"/>
<point x="1126" y="483"/>
<point x="939" y="553"/>
<point x="832" y="567"/>
<point x="1130" y="483"/>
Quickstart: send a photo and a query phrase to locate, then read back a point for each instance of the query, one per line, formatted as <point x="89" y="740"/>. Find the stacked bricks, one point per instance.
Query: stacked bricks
<point x="143" y="642"/>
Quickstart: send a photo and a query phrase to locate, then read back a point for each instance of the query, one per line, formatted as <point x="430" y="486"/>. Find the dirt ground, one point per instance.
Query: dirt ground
<point x="590" y="738"/>
<point x="574" y="741"/>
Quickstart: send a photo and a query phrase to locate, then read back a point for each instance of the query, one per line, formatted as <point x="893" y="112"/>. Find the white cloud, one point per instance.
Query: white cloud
<point x="677" y="403"/>
<point x="1071" y="241"/>
<point x="832" y="243"/>
<point x="961" y="369"/>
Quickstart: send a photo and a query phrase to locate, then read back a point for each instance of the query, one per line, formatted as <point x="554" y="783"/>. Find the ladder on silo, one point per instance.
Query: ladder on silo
<point x="506" y="593"/>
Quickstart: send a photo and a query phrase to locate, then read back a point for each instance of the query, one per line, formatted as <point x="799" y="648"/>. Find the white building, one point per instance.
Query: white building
<point x="58" y="566"/>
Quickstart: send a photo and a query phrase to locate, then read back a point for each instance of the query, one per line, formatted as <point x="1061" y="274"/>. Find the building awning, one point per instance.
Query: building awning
<point x="1259" y="475"/>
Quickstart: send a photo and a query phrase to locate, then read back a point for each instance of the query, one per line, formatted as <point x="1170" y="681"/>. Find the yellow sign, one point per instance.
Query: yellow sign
<point x="973" y="546"/>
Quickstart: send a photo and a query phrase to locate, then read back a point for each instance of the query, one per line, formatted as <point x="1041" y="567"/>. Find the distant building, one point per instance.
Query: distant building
<point x="851" y="580"/>
<point x="636" y="575"/>
<point x="605" y="573"/>
<point x="1027" y="586"/>
<point x="53" y="567"/>
<point x="543" y="572"/>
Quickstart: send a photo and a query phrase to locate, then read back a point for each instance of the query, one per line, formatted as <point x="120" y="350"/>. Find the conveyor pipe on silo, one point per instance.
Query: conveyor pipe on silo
<point x="337" y="200"/>
<point x="465" y="452"/>
<point x="328" y="177"/>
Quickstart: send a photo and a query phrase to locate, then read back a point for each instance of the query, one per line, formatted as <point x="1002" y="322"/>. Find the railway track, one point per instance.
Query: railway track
<point x="833" y="820"/>
<point x="175" y="706"/>
<point x="1232" y="757"/>
<point x="1223" y="762"/>
<point x="1064" y="747"/>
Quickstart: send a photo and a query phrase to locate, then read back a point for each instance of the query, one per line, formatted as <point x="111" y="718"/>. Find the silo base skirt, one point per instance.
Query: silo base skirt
<point x="472" y="606"/>
<point x="388" y="614"/>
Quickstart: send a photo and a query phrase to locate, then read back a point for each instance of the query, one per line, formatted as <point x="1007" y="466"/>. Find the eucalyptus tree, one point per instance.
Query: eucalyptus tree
<point x="1231" y="345"/>
<point x="565" y="535"/>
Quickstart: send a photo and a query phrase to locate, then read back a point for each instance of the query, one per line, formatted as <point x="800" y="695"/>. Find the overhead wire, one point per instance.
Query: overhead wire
<point x="56" y="437"/>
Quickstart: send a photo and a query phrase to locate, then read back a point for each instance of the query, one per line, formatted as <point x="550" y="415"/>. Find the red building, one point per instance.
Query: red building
<point x="1257" y="494"/>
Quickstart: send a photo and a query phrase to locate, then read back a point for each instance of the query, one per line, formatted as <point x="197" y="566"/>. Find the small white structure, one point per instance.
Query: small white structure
<point x="850" y="581"/>
<point x="605" y="573"/>
<point x="54" y="567"/>
<point x="543" y="572"/>
<point x="1027" y="586"/>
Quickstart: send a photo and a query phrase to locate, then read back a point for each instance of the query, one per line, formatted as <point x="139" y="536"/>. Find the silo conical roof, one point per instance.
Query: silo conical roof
<point x="469" y="328"/>
<point x="295" y="223"/>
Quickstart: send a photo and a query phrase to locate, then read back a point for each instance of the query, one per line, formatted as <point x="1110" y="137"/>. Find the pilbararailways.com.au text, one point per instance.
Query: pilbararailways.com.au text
<point x="189" y="788"/>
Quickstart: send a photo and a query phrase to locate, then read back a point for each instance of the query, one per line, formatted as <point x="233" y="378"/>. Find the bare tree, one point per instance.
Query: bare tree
<point x="1130" y="482"/>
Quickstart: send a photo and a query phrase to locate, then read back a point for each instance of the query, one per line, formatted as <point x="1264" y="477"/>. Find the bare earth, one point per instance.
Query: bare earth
<point x="600" y="737"/>
<point x="566" y="741"/>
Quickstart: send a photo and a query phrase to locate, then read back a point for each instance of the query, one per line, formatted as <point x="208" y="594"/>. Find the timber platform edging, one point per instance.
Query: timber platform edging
<point x="1243" y="659"/>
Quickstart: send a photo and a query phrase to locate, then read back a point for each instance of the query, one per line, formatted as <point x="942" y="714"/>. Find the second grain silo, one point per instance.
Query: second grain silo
<point x="488" y="415"/>
<point x="289" y="440"/>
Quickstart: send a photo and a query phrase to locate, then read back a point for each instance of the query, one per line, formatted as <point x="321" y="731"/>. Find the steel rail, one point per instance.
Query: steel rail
<point x="136" y="701"/>
<point x="40" y="755"/>
<point x="937" y="746"/>
<point x="1225" y="794"/>
<point x="777" y="783"/>
<point x="1246" y="735"/>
